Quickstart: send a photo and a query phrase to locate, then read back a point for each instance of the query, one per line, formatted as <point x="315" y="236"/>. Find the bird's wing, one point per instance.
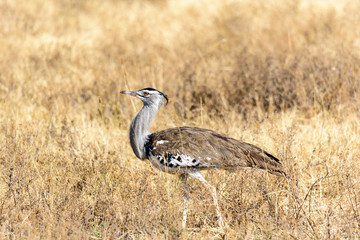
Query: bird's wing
<point x="201" y="148"/>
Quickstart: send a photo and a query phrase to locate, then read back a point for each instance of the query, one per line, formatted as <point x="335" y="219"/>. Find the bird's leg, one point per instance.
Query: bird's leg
<point x="197" y="175"/>
<point x="183" y="178"/>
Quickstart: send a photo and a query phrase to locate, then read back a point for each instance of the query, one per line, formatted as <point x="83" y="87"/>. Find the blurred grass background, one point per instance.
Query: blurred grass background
<point x="282" y="74"/>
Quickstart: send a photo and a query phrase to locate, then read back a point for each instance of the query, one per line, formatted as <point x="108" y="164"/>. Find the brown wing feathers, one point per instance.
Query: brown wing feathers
<point x="211" y="149"/>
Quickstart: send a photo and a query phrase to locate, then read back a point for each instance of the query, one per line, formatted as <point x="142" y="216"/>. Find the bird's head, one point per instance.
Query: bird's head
<point x="149" y="96"/>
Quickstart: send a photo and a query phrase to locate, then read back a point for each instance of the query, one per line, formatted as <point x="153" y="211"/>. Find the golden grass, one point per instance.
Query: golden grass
<point x="282" y="74"/>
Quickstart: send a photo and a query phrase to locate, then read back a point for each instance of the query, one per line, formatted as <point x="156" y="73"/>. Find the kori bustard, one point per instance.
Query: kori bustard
<point x="187" y="150"/>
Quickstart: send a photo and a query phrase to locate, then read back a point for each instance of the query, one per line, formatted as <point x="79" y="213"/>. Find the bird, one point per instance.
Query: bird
<point x="187" y="150"/>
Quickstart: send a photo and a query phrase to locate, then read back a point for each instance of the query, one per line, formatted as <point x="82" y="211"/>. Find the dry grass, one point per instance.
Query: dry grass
<point x="283" y="75"/>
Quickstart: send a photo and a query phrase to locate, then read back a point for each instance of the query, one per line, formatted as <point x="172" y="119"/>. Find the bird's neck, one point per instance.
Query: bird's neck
<point x="139" y="129"/>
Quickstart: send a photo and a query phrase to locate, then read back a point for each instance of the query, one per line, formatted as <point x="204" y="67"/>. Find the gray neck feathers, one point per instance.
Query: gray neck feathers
<point x="139" y="129"/>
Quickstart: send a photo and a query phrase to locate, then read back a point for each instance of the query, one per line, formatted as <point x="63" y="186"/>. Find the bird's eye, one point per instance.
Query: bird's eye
<point x="146" y="93"/>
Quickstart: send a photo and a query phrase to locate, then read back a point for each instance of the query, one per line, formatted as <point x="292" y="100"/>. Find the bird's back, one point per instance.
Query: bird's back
<point x="189" y="147"/>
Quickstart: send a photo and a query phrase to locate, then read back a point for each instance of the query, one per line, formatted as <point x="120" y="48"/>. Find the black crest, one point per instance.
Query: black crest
<point x="153" y="89"/>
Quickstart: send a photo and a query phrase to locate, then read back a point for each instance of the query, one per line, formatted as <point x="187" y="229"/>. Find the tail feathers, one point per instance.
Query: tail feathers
<point x="280" y="173"/>
<point x="266" y="161"/>
<point x="272" y="157"/>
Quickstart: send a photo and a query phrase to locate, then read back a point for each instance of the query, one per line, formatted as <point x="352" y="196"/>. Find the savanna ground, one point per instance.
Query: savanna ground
<point x="283" y="75"/>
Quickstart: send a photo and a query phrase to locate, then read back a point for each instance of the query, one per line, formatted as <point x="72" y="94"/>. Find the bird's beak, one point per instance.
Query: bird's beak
<point x="131" y="93"/>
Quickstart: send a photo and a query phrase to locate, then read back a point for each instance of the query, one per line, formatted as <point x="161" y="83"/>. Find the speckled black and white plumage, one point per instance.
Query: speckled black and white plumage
<point x="174" y="161"/>
<point x="167" y="161"/>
